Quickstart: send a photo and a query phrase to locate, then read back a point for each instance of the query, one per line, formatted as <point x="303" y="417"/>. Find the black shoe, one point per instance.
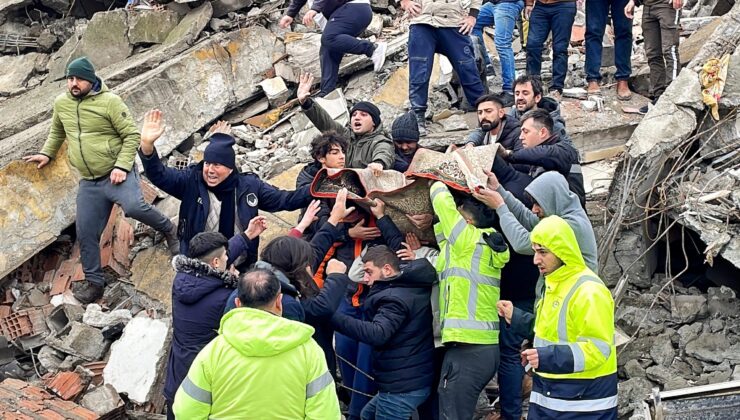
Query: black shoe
<point x="88" y="293"/>
<point x="421" y="121"/>
<point x="173" y="242"/>
<point x="643" y="110"/>
<point x="507" y="98"/>
<point x="490" y="71"/>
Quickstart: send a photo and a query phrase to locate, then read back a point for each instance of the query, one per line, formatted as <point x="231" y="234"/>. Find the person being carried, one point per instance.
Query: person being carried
<point x="469" y="266"/>
<point x="214" y="196"/>
<point x="369" y="147"/>
<point x="574" y="357"/>
<point x="405" y="134"/>
<point x="102" y="139"/>
<point x="256" y="356"/>
<point x="397" y="323"/>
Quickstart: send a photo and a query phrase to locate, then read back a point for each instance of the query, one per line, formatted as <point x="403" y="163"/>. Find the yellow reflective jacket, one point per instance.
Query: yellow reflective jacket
<point x="574" y="330"/>
<point x="261" y="366"/>
<point x="469" y="272"/>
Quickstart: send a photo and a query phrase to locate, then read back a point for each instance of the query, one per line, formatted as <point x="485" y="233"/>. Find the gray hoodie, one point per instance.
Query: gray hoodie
<point x="550" y="191"/>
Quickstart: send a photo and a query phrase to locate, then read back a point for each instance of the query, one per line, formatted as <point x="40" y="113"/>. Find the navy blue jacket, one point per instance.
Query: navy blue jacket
<point x="199" y="295"/>
<point x="187" y="185"/>
<point x="402" y="162"/>
<point x="398" y="324"/>
<point x="325" y="7"/>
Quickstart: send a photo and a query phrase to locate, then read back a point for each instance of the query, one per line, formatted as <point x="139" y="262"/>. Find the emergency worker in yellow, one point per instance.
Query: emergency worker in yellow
<point x="574" y="357"/>
<point x="469" y="266"/>
<point x="261" y="366"/>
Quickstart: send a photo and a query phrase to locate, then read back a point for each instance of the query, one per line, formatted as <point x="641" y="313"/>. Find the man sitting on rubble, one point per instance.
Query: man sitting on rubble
<point x="102" y="139"/>
<point x="573" y="357"/>
<point x="214" y="196"/>
<point x="369" y="147"/>
<point x="543" y="150"/>
<point x="469" y="266"/>
<point x="199" y="294"/>
<point x="261" y="365"/>
<point x="397" y="323"/>
<point x="495" y="126"/>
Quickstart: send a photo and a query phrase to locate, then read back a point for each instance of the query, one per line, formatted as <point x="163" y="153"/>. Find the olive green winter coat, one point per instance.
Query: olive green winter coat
<point x="101" y="133"/>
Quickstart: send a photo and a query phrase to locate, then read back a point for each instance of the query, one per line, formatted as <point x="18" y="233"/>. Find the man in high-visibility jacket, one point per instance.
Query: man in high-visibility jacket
<point x="261" y="366"/>
<point x="469" y="266"/>
<point x="574" y="357"/>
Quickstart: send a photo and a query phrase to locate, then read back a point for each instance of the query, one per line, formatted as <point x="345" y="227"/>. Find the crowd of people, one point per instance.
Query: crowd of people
<point x="345" y="305"/>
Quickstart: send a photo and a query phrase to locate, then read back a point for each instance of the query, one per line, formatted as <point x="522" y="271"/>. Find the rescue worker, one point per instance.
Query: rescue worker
<point x="469" y="266"/>
<point x="261" y="365"/>
<point x="574" y="357"/>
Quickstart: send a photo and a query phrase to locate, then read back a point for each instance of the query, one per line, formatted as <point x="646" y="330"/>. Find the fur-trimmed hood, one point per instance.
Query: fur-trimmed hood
<point x="196" y="279"/>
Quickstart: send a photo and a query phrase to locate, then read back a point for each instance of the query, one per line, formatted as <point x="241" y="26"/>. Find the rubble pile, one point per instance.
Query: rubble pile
<point x="674" y="195"/>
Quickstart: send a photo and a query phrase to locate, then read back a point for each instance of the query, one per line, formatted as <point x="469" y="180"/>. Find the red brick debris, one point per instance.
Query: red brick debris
<point x="20" y="400"/>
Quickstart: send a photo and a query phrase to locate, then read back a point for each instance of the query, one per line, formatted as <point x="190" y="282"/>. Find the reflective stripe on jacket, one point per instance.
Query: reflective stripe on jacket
<point x="469" y="272"/>
<point x="260" y="366"/>
<point x="574" y="330"/>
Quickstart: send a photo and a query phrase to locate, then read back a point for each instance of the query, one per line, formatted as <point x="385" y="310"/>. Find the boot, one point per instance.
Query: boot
<point x="593" y="88"/>
<point x="623" y="90"/>
<point x="88" y="293"/>
<point x="421" y="121"/>
<point x="173" y="242"/>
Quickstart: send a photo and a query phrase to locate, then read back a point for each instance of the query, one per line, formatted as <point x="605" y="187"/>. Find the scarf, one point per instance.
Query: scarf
<point x="226" y="194"/>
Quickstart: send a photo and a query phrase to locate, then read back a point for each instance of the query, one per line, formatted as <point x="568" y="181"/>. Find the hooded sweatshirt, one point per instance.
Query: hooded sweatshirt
<point x="551" y="192"/>
<point x="260" y="366"/>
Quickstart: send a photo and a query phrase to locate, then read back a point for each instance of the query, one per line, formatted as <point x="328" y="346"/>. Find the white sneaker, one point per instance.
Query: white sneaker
<point x="378" y="56"/>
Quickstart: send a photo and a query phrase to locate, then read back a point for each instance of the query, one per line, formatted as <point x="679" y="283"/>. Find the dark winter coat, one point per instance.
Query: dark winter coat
<point x="199" y="295"/>
<point x="187" y="185"/>
<point x="508" y="137"/>
<point x="325" y="7"/>
<point x="397" y="322"/>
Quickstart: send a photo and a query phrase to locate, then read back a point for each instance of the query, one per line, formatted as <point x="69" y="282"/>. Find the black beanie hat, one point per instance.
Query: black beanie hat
<point x="220" y="150"/>
<point x="82" y="68"/>
<point x="370" y="109"/>
<point x="405" y="128"/>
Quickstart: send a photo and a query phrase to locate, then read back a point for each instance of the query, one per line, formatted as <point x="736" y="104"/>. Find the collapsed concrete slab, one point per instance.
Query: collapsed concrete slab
<point x="152" y="274"/>
<point x="137" y="358"/>
<point x="17" y="70"/>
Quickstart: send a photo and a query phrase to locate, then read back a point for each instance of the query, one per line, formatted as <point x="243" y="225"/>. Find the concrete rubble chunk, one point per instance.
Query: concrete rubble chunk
<point x="17" y="70"/>
<point x="190" y="26"/>
<point x="102" y="400"/>
<point x="10" y="5"/>
<point x="82" y="341"/>
<point x="137" y="358"/>
<point x="151" y="26"/>
<point x="59" y="6"/>
<point x="662" y="351"/>
<point x="454" y="123"/>
<point x="708" y="347"/>
<point x="61" y="318"/>
<point x="224" y="7"/>
<point x="686" y="309"/>
<point x="95" y="317"/>
<point x="731" y="94"/>
<point x="276" y="91"/>
<point x="152" y="273"/>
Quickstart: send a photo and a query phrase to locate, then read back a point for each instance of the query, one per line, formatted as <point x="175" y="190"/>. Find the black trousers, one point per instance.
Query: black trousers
<point x="466" y="369"/>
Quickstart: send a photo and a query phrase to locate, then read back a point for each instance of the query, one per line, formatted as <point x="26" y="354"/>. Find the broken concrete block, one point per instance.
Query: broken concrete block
<point x="276" y="91"/>
<point x="137" y="358"/>
<point x="103" y="400"/>
<point x="50" y="358"/>
<point x="374" y="28"/>
<point x="190" y="26"/>
<point x="708" y="347"/>
<point x="152" y="273"/>
<point x="82" y="341"/>
<point x="151" y="26"/>
<point x="95" y="317"/>
<point x="17" y="70"/>
<point x="687" y="308"/>
<point x="454" y="123"/>
<point x="61" y="318"/>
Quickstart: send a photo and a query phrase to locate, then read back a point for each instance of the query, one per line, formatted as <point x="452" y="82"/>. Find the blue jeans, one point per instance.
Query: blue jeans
<point x="95" y="199"/>
<point x="395" y="405"/>
<point x="503" y="16"/>
<point x="558" y="18"/>
<point x="340" y="37"/>
<point x="424" y="41"/>
<point x="360" y="355"/>
<point x="597" y="12"/>
<point x="510" y="370"/>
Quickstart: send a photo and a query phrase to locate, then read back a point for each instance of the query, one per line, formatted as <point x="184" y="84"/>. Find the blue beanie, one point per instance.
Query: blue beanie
<point x="220" y="150"/>
<point x="405" y="128"/>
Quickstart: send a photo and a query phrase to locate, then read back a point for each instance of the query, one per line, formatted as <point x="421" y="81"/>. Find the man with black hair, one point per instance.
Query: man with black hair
<point x="495" y="126"/>
<point x="369" y="146"/>
<point x="397" y="323"/>
<point x="214" y="196"/>
<point x="328" y="151"/>
<point x="257" y="355"/>
<point x="469" y="266"/>
<point x="199" y="294"/>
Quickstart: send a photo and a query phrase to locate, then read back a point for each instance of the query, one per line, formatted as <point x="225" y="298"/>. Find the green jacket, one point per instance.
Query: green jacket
<point x="363" y="149"/>
<point x="574" y="326"/>
<point x="260" y="366"/>
<point x="101" y="133"/>
<point x="469" y="272"/>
